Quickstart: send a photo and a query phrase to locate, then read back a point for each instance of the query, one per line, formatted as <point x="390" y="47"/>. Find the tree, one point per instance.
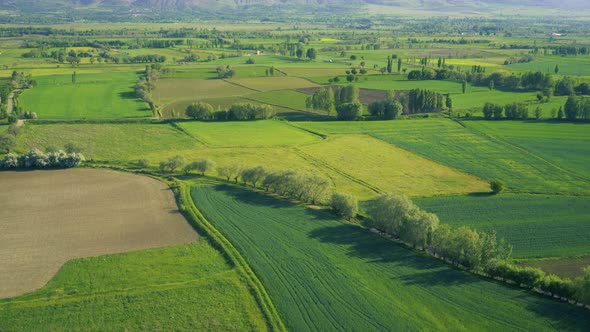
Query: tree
<point x="254" y="175"/>
<point x="7" y="142"/>
<point x="556" y="70"/>
<point x="418" y="228"/>
<point x="203" y="165"/>
<point x="387" y="212"/>
<point x="449" y="102"/>
<point x="565" y="87"/>
<point x="313" y="188"/>
<point x="399" y="64"/>
<point x="389" y="64"/>
<point x="229" y="171"/>
<point x="560" y="113"/>
<point x="497" y="186"/>
<point x="199" y="111"/>
<point x="466" y="247"/>
<point x="571" y="108"/>
<point x="311" y="53"/>
<point x="464" y="86"/>
<point x="345" y="205"/>
<point x="74" y="78"/>
<point x="349" y="111"/>
<point x="172" y="163"/>
<point x="491" y="85"/>
<point x="538" y="113"/>
<point x="323" y="99"/>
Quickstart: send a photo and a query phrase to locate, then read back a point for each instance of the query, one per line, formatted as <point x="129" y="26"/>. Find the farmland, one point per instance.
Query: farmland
<point x="554" y="225"/>
<point x="93" y="96"/>
<point x="107" y="212"/>
<point x="473" y="152"/>
<point x="189" y="286"/>
<point x="325" y="275"/>
<point x="104" y="250"/>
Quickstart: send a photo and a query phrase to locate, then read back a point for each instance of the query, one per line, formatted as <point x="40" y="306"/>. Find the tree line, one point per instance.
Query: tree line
<point x="236" y="112"/>
<point x="481" y="252"/>
<point x="36" y="159"/>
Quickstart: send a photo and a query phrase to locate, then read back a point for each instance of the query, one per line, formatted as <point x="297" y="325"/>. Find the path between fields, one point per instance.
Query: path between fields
<point x="10" y="103"/>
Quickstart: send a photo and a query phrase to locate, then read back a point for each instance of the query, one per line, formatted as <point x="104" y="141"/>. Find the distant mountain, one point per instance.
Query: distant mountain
<point x="48" y="10"/>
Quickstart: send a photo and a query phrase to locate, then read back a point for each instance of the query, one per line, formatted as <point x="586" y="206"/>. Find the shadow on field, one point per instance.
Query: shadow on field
<point x="127" y="95"/>
<point x="252" y="198"/>
<point x="481" y="194"/>
<point x="563" y="317"/>
<point x="377" y="250"/>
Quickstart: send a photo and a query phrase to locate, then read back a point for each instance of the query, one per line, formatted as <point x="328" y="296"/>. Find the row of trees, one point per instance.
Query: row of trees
<point x="146" y="84"/>
<point x="388" y="108"/>
<point x="424" y="101"/>
<point x="509" y="111"/>
<point x="397" y="216"/>
<point x="309" y="188"/>
<point x="236" y="112"/>
<point x="327" y="99"/>
<point x="577" y="108"/>
<point x="37" y="159"/>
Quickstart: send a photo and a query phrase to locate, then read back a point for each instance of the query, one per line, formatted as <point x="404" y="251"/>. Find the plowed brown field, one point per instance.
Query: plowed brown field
<point x="50" y="217"/>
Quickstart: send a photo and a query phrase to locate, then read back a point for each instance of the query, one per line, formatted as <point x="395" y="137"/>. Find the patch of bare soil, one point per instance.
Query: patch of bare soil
<point x="50" y="217"/>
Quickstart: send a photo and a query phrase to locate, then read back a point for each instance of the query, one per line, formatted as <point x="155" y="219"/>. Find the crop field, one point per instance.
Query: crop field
<point x="564" y="267"/>
<point x="189" y="286"/>
<point x="273" y="83"/>
<point x="285" y="98"/>
<point x="174" y="90"/>
<point x="49" y="217"/>
<point x="98" y="96"/>
<point x="566" y="145"/>
<point x="325" y="275"/>
<point x="248" y="134"/>
<point x="479" y="154"/>
<point x="389" y="168"/>
<point x="107" y="141"/>
<point x="476" y="100"/>
<point x="538" y="226"/>
<point x="575" y="66"/>
<point x="438" y="86"/>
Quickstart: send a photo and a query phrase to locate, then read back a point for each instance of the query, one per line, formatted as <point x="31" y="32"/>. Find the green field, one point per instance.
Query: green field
<point x="248" y="134"/>
<point x="273" y="83"/>
<point x="115" y="142"/>
<point x="94" y="96"/>
<point x="566" y="145"/>
<point x="538" y="226"/>
<point x="473" y="152"/>
<point x="574" y="65"/>
<point x="190" y="287"/>
<point x="324" y="275"/>
<point x="385" y="167"/>
<point x="285" y="98"/>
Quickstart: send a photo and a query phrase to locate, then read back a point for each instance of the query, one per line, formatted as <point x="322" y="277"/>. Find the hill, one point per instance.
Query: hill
<point x="41" y="11"/>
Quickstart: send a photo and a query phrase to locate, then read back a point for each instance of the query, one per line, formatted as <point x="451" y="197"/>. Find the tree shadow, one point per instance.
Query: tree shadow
<point x="127" y="95"/>
<point x="561" y="316"/>
<point x="481" y="194"/>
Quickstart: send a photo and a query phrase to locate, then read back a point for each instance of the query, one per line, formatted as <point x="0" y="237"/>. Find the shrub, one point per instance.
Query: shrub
<point x="199" y="111"/>
<point x="497" y="186"/>
<point x="345" y="205"/>
<point x="349" y="111"/>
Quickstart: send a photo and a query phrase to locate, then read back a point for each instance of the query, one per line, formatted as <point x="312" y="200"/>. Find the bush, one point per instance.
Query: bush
<point x="143" y="163"/>
<point x="345" y="205"/>
<point x="497" y="186"/>
<point x="36" y="159"/>
<point x="199" y="111"/>
<point x="349" y="111"/>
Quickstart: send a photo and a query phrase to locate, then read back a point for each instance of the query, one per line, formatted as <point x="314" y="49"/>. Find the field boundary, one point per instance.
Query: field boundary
<point x="197" y="220"/>
<point x="322" y="164"/>
<point x="242" y="86"/>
